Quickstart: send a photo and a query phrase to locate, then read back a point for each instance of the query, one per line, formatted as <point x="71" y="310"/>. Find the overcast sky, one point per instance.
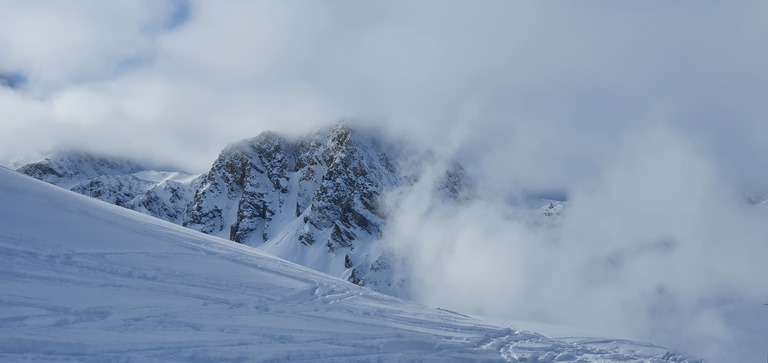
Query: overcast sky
<point x="546" y="88"/>
<point x="651" y="115"/>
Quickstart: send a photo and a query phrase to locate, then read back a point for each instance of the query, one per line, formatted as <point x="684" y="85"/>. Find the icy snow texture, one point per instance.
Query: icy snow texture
<point x="82" y="280"/>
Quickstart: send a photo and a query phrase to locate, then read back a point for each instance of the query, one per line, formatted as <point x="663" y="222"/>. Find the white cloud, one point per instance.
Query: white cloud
<point x="562" y="79"/>
<point x="646" y="251"/>
<point x="57" y="43"/>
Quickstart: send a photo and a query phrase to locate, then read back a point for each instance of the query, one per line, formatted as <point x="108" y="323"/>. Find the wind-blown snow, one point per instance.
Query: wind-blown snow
<point x="82" y="280"/>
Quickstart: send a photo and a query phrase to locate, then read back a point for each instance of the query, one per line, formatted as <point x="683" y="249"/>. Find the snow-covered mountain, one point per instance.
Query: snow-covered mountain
<point x="66" y="168"/>
<point x="86" y="281"/>
<point x="315" y="200"/>
<point x="120" y="181"/>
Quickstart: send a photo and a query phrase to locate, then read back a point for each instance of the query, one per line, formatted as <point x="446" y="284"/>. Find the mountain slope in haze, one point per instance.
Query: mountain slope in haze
<point x="66" y="168"/>
<point x="119" y="181"/>
<point x="82" y="280"/>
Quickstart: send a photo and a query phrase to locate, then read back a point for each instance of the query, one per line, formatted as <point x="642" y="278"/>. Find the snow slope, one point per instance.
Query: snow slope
<point x="82" y="280"/>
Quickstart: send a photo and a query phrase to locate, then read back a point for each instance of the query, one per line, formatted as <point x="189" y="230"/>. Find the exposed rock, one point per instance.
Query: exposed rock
<point x="120" y="190"/>
<point x="315" y="200"/>
<point x="272" y="192"/>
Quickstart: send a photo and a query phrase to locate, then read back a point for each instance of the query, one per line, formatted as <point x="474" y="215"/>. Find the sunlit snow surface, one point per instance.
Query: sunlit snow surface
<point x="82" y="280"/>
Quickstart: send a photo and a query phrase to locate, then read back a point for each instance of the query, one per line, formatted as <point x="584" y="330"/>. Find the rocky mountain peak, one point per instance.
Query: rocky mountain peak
<point x="314" y="200"/>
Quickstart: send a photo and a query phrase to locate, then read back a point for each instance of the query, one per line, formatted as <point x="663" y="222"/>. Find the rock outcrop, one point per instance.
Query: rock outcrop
<point x="315" y="200"/>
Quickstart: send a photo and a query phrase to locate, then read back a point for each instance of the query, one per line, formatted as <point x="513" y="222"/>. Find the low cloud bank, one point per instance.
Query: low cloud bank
<point x="655" y="247"/>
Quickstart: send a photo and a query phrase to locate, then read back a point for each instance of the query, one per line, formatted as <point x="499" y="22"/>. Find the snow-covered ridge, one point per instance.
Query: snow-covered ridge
<point x="67" y="168"/>
<point x="314" y="200"/>
<point x="120" y="181"/>
<point x="85" y="281"/>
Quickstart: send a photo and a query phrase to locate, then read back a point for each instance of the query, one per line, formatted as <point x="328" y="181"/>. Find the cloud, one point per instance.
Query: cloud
<point x="651" y="249"/>
<point x="55" y="44"/>
<point x="562" y="79"/>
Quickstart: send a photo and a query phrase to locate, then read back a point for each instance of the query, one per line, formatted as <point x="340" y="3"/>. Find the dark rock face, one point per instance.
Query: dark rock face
<point x="243" y="190"/>
<point x="315" y="200"/>
<point x="41" y="171"/>
<point x="296" y="198"/>
<point x="456" y="185"/>
<point x="118" y="190"/>
<point x="320" y="191"/>
<point x="167" y="200"/>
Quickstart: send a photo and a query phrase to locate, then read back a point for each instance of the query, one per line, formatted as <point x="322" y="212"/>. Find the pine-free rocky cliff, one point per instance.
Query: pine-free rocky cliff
<point x="316" y="200"/>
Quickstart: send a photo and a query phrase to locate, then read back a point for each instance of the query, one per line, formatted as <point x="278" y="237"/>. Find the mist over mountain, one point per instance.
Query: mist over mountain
<point x="318" y="200"/>
<point x="408" y="222"/>
<point x="405" y="221"/>
<point x="88" y="281"/>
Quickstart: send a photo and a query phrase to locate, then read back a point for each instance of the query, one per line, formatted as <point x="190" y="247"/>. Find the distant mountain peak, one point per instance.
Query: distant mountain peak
<point x="70" y="166"/>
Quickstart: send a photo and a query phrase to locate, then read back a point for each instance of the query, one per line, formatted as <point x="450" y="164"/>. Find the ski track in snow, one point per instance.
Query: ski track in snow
<point x="82" y="280"/>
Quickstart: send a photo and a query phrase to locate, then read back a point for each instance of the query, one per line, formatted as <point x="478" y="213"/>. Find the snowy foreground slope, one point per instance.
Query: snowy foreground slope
<point x="82" y="280"/>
